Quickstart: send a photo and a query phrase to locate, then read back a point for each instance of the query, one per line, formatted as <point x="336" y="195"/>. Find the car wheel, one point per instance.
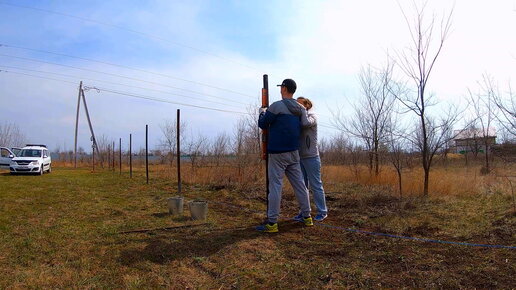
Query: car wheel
<point x="41" y="171"/>
<point x="49" y="168"/>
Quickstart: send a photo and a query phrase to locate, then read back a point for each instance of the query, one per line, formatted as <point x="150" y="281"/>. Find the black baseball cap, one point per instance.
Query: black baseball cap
<point x="290" y="84"/>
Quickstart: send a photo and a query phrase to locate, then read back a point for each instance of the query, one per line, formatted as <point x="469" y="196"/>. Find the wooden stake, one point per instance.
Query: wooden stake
<point x="147" y="152"/>
<point x="120" y="155"/>
<point x="265" y="136"/>
<point x="130" y="156"/>
<point x="178" y="142"/>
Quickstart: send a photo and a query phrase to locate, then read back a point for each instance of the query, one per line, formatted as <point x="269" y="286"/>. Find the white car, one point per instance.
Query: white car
<point x="6" y="155"/>
<point x="32" y="159"/>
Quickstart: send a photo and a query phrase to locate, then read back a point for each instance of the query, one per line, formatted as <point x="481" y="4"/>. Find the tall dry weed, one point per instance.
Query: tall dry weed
<point x="250" y="177"/>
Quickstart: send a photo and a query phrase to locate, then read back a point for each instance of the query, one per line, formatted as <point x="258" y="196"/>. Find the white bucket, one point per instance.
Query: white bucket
<point x="198" y="210"/>
<point x="175" y="205"/>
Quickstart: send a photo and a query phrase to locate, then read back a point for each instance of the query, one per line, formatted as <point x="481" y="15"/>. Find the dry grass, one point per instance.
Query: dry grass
<point x="62" y="231"/>
<point x="443" y="180"/>
<point x="453" y="179"/>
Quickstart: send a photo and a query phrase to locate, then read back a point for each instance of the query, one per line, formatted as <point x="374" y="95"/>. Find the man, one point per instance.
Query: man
<point x="284" y="120"/>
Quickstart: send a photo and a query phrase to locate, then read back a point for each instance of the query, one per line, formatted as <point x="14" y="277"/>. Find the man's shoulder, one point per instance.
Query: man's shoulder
<point x="276" y="107"/>
<point x="275" y="104"/>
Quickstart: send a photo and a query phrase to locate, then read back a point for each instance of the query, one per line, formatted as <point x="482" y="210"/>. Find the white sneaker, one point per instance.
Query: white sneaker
<point x="319" y="217"/>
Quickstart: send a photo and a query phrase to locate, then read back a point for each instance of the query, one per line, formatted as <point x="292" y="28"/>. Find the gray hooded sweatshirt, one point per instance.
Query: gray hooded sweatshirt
<point x="308" y="140"/>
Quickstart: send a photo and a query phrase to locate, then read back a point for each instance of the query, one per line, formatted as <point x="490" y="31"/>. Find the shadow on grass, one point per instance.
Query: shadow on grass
<point x="163" y="248"/>
<point x="182" y="218"/>
<point x="161" y="214"/>
<point x="20" y="174"/>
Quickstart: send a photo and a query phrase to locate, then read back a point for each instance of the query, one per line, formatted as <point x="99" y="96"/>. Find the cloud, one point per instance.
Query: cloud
<point x="322" y="45"/>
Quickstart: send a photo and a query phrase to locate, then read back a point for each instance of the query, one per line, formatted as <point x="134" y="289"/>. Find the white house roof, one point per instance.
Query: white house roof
<point x="474" y="133"/>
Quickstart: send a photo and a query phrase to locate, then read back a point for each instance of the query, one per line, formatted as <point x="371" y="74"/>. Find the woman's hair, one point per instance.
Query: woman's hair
<point x="305" y="102"/>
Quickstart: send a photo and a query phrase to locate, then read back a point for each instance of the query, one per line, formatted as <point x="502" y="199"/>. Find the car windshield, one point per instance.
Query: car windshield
<point x="30" y="153"/>
<point x="16" y="151"/>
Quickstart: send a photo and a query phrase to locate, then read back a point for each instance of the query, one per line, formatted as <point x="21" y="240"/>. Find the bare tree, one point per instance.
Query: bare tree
<point x="11" y="135"/>
<point x="246" y="136"/>
<point x="82" y="154"/>
<point x="220" y="147"/>
<point x="196" y="148"/>
<point x="507" y="109"/>
<point x="372" y="114"/>
<point x="334" y="150"/>
<point x="483" y="109"/>
<point x="169" y="140"/>
<point x="355" y="151"/>
<point x="103" y="148"/>
<point x="503" y="136"/>
<point x="470" y="141"/>
<point x="417" y="62"/>
<point x="398" y="153"/>
<point x="251" y="132"/>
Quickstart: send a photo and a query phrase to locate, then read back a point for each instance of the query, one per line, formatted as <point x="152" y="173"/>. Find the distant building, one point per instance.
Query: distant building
<point x="474" y="140"/>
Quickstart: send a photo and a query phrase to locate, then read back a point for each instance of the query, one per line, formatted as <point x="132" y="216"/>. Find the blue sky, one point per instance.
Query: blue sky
<point x="321" y="44"/>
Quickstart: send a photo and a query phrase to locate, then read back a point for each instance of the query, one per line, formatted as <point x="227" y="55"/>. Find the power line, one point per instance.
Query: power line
<point x="329" y="127"/>
<point x="133" y="95"/>
<point x="19" y="73"/>
<point x="129" y="30"/>
<point x="126" y="67"/>
<point x="120" y="76"/>
<point x="114" y="83"/>
<point x="147" y="97"/>
<point x="164" y="101"/>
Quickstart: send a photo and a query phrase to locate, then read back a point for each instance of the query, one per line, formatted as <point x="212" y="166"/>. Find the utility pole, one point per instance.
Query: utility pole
<point x="77" y="124"/>
<point x="93" y="139"/>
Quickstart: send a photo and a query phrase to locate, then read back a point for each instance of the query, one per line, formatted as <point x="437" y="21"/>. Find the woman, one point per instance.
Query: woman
<point x="310" y="161"/>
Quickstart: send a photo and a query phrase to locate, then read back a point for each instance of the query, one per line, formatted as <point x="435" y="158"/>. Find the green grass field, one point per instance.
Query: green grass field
<point x="64" y="230"/>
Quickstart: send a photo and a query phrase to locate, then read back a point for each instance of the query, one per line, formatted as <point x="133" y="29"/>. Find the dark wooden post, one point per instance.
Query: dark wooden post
<point x="109" y="156"/>
<point x="130" y="156"/>
<point x="93" y="157"/>
<point x="265" y="137"/>
<point x="113" y="156"/>
<point x="178" y="133"/>
<point x="120" y="155"/>
<point x="147" y="152"/>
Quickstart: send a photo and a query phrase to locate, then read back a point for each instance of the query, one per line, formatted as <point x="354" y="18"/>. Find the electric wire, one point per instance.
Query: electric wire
<point x="328" y="126"/>
<point x="114" y="83"/>
<point x="164" y="101"/>
<point x="152" y="98"/>
<point x="47" y="78"/>
<point x="131" y="94"/>
<point x="129" y="30"/>
<point x="125" y="67"/>
<point x="120" y="76"/>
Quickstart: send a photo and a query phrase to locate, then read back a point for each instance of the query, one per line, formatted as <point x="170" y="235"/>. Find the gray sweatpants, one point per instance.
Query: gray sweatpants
<point x="279" y="165"/>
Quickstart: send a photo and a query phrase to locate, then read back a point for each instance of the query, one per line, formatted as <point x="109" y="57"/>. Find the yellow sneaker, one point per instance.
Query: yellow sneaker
<point x="308" y="221"/>
<point x="268" y="228"/>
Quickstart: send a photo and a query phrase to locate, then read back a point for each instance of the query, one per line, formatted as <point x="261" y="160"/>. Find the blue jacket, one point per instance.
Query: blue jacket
<point x="284" y="120"/>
